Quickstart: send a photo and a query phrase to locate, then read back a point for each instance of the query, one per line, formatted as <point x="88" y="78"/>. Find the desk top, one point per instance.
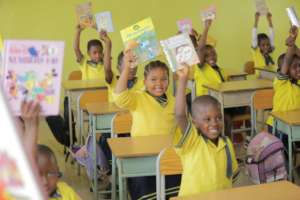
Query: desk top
<point x="272" y="191"/>
<point x="264" y="69"/>
<point x="80" y="84"/>
<point x="230" y="72"/>
<point x="289" y="117"/>
<point x="103" y="108"/>
<point x="243" y="85"/>
<point x="139" y="146"/>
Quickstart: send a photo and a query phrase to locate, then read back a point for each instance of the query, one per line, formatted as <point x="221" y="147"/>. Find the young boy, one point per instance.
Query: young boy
<point x="208" y="159"/>
<point x="50" y="175"/>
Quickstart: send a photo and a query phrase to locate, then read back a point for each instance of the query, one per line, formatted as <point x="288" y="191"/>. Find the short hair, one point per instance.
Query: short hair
<point x="46" y="151"/>
<point x="155" y="65"/>
<point x="204" y="101"/>
<point x="93" y="43"/>
<point x="261" y="37"/>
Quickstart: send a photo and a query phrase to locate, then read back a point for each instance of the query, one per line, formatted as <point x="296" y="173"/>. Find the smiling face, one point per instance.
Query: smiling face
<point x="210" y="56"/>
<point x="157" y="81"/>
<point x="264" y="46"/>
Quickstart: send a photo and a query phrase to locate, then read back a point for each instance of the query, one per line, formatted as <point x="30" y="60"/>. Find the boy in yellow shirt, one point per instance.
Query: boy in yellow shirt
<point x="208" y="159"/>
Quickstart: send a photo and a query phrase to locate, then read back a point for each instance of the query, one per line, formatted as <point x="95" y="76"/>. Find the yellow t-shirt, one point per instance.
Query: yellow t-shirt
<point x="138" y="85"/>
<point x="206" y="75"/>
<point x="91" y="71"/>
<point x="65" y="192"/>
<point x="259" y="61"/>
<point x="204" y="164"/>
<point x="148" y="116"/>
<point x="286" y="96"/>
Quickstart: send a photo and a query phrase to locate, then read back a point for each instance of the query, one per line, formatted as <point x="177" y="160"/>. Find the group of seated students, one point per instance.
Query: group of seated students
<point x="208" y="158"/>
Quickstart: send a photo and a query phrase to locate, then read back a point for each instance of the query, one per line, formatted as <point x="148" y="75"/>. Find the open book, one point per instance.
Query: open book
<point x="293" y="16"/>
<point x="179" y="49"/>
<point x="185" y="25"/>
<point x="141" y="37"/>
<point x="32" y="70"/>
<point x="104" y="21"/>
<point x="84" y="14"/>
<point x="17" y="177"/>
<point x="261" y="7"/>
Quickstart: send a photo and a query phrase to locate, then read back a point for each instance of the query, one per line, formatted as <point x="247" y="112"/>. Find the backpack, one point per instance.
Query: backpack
<point x="265" y="161"/>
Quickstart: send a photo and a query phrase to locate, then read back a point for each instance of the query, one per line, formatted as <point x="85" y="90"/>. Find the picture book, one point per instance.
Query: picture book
<point x="293" y="16"/>
<point x="208" y="13"/>
<point x="84" y="14"/>
<point x="179" y="49"/>
<point x="32" y="70"/>
<point x="261" y="7"/>
<point x="104" y="21"/>
<point x="17" y="174"/>
<point x="1" y="57"/>
<point x="142" y="39"/>
<point x="185" y="25"/>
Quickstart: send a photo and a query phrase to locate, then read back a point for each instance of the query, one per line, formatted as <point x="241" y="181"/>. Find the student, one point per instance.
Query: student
<point x="208" y="159"/>
<point x="50" y="175"/>
<point x="263" y="46"/>
<point x="97" y="65"/>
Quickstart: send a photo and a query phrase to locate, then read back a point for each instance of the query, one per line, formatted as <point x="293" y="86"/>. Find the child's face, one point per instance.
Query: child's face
<point x="132" y="71"/>
<point x="265" y="46"/>
<point x="294" y="70"/>
<point x="157" y="82"/>
<point x="96" y="53"/>
<point x="210" y="56"/>
<point x="49" y="173"/>
<point x="209" y="121"/>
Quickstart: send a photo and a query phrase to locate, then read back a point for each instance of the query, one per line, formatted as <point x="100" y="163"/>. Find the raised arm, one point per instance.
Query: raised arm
<point x="271" y="30"/>
<point x="202" y="41"/>
<point x="254" y="30"/>
<point x="107" y="56"/>
<point x="76" y="47"/>
<point x="180" y="106"/>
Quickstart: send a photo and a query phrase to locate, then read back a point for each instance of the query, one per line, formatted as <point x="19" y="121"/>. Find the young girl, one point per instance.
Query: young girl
<point x="263" y="46"/>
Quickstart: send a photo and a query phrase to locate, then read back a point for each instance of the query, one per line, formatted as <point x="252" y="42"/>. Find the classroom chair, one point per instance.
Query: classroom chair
<point x="261" y="100"/>
<point x="249" y="67"/>
<point x="75" y="75"/>
<point x="168" y="163"/>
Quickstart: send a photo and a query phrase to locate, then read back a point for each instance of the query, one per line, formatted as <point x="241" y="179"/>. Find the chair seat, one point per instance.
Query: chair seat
<point x="242" y="117"/>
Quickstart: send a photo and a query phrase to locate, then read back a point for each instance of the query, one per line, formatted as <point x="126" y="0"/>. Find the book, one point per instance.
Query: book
<point x="179" y="49"/>
<point x="293" y="16"/>
<point x="261" y="7"/>
<point x="32" y="70"/>
<point x="185" y="25"/>
<point x="208" y="13"/>
<point x="84" y="14"/>
<point x="141" y="37"/>
<point x="18" y="175"/>
<point x="104" y="21"/>
<point x="1" y="57"/>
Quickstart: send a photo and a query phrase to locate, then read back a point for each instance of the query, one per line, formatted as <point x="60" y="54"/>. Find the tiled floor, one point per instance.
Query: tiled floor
<point x="81" y="183"/>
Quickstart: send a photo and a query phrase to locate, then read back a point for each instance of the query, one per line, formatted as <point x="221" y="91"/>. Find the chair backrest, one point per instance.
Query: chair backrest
<point x="168" y="163"/>
<point x="75" y="75"/>
<point x="121" y="123"/>
<point x="93" y="96"/>
<point x="249" y="67"/>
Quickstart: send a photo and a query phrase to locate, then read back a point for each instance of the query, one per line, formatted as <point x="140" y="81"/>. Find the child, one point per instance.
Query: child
<point x="208" y="159"/>
<point x="263" y="46"/>
<point x="92" y="67"/>
<point x="50" y="174"/>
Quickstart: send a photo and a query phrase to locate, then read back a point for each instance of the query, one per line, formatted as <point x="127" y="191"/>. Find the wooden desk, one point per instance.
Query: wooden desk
<point x="100" y="119"/>
<point x="289" y="123"/>
<point x="266" y="73"/>
<point x="72" y="86"/>
<point x="282" y="190"/>
<point x="136" y="156"/>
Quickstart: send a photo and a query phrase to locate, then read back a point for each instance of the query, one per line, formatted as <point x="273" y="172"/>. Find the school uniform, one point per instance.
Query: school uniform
<point x="91" y="70"/>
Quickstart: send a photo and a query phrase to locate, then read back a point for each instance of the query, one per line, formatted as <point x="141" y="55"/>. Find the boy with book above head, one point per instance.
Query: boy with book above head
<point x="208" y="159"/>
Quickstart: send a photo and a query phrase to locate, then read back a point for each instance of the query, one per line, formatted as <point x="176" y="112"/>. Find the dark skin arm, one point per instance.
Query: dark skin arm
<point x="107" y="56"/>
<point x="202" y="41"/>
<point x="76" y="44"/>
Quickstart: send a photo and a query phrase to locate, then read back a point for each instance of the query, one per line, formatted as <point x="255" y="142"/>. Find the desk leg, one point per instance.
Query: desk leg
<point x="121" y="189"/>
<point x="290" y="153"/>
<point x="95" y="185"/>
<point x="70" y="118"/>
<point x="114" y="177"/>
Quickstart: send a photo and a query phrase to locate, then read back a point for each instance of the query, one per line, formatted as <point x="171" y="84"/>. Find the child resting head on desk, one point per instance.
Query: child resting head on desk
<point x="208" y="159"/>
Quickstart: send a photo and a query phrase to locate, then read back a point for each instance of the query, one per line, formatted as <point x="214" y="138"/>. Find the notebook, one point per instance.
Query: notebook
<point x="293" y="16"/>
<point x="84" y="14"/>
<point x="261" y="7"/>
<point x="104" y="21"/>
<point x="208" y="13"/>
<point x="185" y="25"/>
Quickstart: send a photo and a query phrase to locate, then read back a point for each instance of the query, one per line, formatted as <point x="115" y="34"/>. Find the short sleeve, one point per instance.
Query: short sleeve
<point x="126" y="99"/>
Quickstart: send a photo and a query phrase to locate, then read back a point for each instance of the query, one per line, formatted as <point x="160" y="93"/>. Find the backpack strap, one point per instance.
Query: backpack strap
<point x="229" y="170"/>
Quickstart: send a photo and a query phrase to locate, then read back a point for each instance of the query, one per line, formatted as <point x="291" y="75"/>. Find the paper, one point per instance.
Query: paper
<point x="185" y="25"/>
<point x="32" y="71"/>
<point x="293" y="16"/>
<point x="1" y="58"/>
<point x="84" y="14"/>
<point x="179" y="49"/>
<point x="142" y="37"/>
<point x="208" y="13"/>
<point x="104" y="21"/>
<point x="261" y="7"/>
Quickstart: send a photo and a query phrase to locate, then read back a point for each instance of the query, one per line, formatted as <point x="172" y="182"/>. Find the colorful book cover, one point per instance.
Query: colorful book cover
<point x="143" y="38"/>
<point x="104" y="21"/>
<point x="32" y="70"/>
<point x="17" y="174"/>
<point x="261" y="7"/>
<point x="185" y="25"/>
<point x="208" y="13"/>
<point x="293" y="16"/>
<point x="84" y="14"/>
<point x="1" y="57"/>
<point x="179" y="49"/>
